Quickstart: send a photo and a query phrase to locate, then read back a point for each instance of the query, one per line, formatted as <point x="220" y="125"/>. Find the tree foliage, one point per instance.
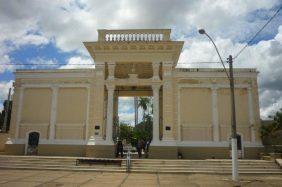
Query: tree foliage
<point x="142" y="130"/>
<point x="269" y="130"/>
<point x="2" y="115"/>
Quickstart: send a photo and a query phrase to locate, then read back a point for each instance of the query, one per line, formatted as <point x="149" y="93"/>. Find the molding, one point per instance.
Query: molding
<point x="34" y="124"/>
<point x="58" y="125"/>
<point x="59" y="85"/>
<point x="43" y="74"/>
<point x="211" y="86"/>
<point x="214" y="72"/>
<point x="247" y="144"/>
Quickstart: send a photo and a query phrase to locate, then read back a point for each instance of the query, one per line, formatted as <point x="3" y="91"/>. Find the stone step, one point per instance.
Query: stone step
<point x="214" y="163"/>
<point x="58" y="165"/>
<point x="197" y="161"/>
<point x="64" y="168"/>
<point x="206" y="172"/>
<point x="208" y="169"/>
<point x="207" y="166"/>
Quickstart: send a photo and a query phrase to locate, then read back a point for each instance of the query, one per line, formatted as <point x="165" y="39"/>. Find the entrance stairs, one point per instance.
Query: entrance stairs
<point x="209" y="166"/>
<point x="222" y="166"/>
<point x="56" y="163"/>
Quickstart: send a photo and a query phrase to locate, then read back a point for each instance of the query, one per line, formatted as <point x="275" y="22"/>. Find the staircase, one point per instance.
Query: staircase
<point x="222" y="166"/>
<point x="55" y="163"/>
<point x="213" y="166"/>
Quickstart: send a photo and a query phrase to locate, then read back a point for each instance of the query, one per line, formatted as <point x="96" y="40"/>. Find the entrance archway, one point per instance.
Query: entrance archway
<point x="31" y="147"/>
<point x="133" y="100"/>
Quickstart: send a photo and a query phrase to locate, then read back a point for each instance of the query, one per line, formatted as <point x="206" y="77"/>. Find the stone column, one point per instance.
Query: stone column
<point x="97" y="94"/>
<point x="251" y="114"/>
<point x="156" y="70"/>
<point x="156" y="129"/>
<point x="19" y="111"/>
<point x="111" y="70"/>
<point x="53" y="117"/>
<point x="110" y="110"/>
<point x="215" y="125"/>
<point x="167" y="102"/>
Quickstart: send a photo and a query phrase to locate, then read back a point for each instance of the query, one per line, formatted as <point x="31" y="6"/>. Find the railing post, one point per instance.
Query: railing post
<point x="128" y="161"/>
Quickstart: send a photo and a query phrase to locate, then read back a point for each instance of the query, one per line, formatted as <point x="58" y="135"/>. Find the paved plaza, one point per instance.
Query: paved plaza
<point x="28" y="178"/>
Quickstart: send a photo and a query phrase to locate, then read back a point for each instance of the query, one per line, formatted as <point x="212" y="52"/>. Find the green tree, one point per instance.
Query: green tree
<point x="144" y="103"/>
<point x="269" y="130"/>
<point x="126" y="132"/>
<point x="2" y="115"/>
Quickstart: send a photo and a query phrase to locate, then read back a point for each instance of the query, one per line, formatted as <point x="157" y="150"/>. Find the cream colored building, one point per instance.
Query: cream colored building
<point x="73" y="109"/>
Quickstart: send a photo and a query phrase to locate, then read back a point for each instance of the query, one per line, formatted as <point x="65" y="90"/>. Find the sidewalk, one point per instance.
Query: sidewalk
<point x="29" y="178"/>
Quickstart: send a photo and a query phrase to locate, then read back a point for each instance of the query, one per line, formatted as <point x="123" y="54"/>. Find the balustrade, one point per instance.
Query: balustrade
<point x="134" y="35"/>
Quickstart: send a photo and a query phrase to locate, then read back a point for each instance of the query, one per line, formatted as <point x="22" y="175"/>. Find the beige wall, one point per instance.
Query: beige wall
<point x="36" y="105"/>
<point x="35" y="114"/>
<point x="71" y="113"/>
<point x="195" y="112"/>
<point x="242" y="113"/>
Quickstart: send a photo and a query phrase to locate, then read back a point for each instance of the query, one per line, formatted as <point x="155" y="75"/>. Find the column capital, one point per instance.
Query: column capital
<point x="110" y="87"/>
<point x="214" y="87"/>
<point x="100" y="64"/>
<point x="156" y="87"/>
<point x="167" y="64"/>
<point x="156" y="69"/>
<point x="156" y="63"/>
<point x="111" y="63"/>
<point x="111" y="70"/>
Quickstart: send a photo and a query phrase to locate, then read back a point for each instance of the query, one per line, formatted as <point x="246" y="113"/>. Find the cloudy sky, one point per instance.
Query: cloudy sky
<point x="52" y="32"/>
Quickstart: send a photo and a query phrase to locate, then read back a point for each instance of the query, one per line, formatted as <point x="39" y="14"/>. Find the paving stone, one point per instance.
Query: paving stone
<point x="20" y="184"/>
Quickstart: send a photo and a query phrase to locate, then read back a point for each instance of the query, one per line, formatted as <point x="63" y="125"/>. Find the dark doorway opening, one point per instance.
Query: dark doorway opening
<point x="33" y="140"/>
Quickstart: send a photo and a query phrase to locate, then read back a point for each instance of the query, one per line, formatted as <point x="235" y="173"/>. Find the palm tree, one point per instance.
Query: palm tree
<point x="144" y="103"/>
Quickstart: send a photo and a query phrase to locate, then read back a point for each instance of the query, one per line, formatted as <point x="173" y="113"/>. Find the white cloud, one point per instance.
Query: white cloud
<point x="78" y="62"/>
<point x="127" y="118"/>
<point x="41" y="63"/>
<point x="68" y="23"/>
<point x="32" y="39"/>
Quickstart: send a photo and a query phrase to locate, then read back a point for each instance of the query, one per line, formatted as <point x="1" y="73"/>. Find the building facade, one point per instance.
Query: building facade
<point x="72" y="111"/>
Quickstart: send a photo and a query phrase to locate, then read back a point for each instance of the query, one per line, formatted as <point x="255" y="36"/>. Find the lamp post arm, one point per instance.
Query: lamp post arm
<point x="218" y="55"/>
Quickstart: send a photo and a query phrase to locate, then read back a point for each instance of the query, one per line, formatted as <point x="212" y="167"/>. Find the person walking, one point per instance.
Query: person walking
<point x="119" y="149"/>
<point x="139" y="148"/>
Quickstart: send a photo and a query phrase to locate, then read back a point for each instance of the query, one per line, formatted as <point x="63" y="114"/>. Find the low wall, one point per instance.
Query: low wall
<point x="3" y="139"/>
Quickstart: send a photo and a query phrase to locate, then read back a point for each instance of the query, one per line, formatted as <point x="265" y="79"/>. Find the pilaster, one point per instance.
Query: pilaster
<point x="215" y="125"/>
<point x="53" y="116"/>
<point x="110" y="110"/>
<point x="251" y="114"/>
<point x="156" y="128"/>
<point x="167" y="102"/>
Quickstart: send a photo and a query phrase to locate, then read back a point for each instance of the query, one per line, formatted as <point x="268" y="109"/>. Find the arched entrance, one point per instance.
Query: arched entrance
<point x="133" y="111"/>
<point x="31" y="147"/>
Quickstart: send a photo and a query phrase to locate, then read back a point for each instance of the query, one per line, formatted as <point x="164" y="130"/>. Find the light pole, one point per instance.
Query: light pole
<point x="235" y="176"/>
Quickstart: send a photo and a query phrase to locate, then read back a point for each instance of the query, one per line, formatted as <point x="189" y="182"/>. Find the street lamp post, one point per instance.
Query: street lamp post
<point x="235" y="176"/>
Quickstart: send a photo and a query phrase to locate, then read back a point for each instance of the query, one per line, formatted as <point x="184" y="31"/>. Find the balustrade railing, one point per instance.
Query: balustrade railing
<point x="148" y="35"/>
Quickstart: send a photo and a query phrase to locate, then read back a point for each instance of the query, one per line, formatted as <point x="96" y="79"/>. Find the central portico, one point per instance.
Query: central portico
<point x="134" y="59"/>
